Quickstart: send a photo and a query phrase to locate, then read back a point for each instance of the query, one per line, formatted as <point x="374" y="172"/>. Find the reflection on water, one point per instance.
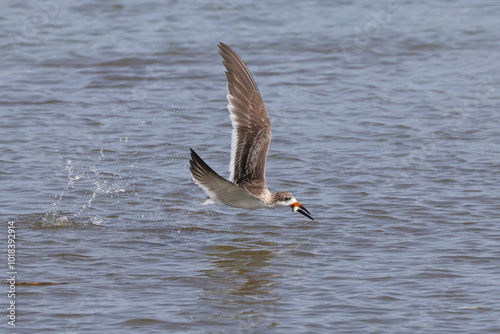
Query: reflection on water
<point x="241" y="283"/>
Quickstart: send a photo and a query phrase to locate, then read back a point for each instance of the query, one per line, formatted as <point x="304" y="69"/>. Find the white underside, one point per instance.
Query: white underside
<point x="230" y="194"/>
<point x="208" y="201"/>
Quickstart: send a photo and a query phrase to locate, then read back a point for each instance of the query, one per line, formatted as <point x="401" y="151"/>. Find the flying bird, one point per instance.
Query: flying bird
<point x="250" y="140"/>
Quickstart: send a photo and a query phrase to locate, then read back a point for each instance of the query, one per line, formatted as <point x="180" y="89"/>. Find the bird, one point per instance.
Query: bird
<point x="250" y="139"/>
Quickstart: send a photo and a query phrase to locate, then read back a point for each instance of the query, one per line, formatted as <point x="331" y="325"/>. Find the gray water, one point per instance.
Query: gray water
<point x="385" y="126"/>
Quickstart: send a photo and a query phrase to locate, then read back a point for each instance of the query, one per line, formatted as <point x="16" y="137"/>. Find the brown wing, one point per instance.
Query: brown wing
<point x="251" y="126"/>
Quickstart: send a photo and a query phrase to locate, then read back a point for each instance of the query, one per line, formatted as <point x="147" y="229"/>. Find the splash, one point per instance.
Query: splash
<point x="78" y="178"/>
<point x="51" y="216"/>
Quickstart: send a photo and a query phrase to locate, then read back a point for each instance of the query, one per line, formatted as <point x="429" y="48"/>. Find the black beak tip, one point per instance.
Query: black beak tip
<point x="305" y="212"/>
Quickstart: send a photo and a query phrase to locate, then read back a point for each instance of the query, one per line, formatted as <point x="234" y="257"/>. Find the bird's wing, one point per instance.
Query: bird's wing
<point x="251" y="126"/>
<point x="219" y="189"/>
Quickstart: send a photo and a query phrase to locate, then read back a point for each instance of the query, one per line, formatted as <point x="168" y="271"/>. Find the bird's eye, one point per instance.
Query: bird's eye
<point x="287" y="198"/>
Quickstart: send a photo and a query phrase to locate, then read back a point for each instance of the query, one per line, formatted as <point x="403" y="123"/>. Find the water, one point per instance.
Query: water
<point x="385" y="126"/>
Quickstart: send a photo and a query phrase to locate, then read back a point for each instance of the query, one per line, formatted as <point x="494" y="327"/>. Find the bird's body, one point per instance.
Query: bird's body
<point x="250" y="141"/>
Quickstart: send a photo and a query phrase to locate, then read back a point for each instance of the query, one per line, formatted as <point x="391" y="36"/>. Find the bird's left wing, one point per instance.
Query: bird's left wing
<point x="220" y="190"/>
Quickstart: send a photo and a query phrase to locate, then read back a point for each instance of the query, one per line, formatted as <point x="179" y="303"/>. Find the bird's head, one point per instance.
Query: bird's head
<point x="285" y="198"/>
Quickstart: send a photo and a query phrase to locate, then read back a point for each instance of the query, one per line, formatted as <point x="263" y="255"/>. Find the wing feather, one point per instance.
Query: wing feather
<point x="251" y="126"/>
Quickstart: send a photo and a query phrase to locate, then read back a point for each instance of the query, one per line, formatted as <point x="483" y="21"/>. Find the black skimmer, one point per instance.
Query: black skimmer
<point x="249" y="144"/>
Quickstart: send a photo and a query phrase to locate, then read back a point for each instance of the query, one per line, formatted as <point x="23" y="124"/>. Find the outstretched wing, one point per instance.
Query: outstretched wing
<point x="251" y="126"/>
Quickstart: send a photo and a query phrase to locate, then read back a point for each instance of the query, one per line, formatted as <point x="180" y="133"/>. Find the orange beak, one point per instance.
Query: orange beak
<point x="301" y="209"/>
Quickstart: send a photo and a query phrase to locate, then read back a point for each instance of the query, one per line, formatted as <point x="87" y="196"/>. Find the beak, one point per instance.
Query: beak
<point x="301" y="209"/>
